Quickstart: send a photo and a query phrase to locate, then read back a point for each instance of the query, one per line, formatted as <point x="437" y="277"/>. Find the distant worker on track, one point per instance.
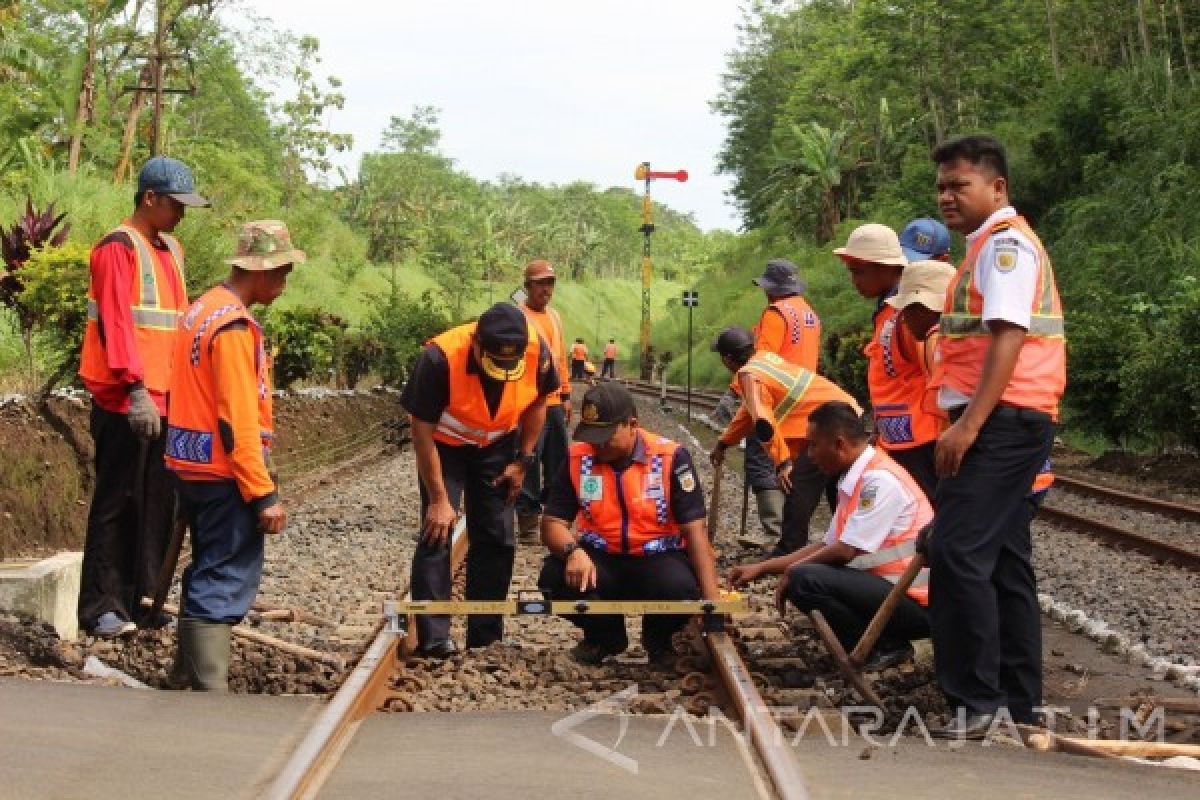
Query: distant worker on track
<point x="875" y="260"/>
<point x="790" y="328"/>
<point x="609" y="368"/>
<point x="579" y="357"/>
<point x="136" y="296"/>
<point x="552" y="444"/>
<point x="471" y="388"/>
<point x="1004" y="368"/>
<point x="219" y="435"/>
<point x="640" y="527"/>
<point x="870" y="541"/>
<point x="777" y="397"/>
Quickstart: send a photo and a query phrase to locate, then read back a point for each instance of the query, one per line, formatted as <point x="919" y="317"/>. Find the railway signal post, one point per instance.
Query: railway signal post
<point x="644" y="173"/>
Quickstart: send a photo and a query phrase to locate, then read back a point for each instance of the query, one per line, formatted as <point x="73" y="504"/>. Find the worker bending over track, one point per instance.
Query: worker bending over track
<point x="777" y="397"/>
<point x="870" y="541"/>
<point x="470" y="389"/>
<point x="219" y="434"/>
<point x="641" y="532"/>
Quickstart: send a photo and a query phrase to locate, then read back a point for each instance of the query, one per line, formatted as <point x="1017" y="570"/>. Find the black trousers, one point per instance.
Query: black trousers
<point x="921" y="465"/>
<point x="468" y="473"/>
<point x="577" y="371"/>
<point x="552" y="446"/>
<point x="808" y="487"/>
<point x="848" y="599"/>
<point x="983" y="595"/>
<point x="609" y="368"/>
<point x="120" y="559"/>
<point x="661" y="576"/>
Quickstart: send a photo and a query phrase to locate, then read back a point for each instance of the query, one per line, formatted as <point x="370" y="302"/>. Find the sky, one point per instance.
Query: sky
<point x="550" y="91"/>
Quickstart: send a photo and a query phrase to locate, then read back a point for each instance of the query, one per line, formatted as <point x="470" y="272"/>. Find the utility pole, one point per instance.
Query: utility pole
<point x="643" y="173"/>
<point x="156" y="61"/>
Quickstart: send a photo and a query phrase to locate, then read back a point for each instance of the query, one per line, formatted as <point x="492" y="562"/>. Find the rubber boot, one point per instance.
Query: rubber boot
<point x="770" y="511"/>
<point x="204" y="654"/>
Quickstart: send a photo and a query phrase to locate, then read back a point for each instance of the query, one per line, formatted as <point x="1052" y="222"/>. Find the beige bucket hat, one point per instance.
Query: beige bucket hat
<point x="265" y="244"/>
<point x="874" y="243"/>
<point x="923" y="282"/>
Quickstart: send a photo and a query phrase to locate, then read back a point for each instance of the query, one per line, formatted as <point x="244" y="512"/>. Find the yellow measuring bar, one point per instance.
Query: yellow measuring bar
<point x="731" y="605"/>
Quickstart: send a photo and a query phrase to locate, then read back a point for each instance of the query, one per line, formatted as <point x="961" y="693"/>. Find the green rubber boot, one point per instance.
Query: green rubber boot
<point x="203" y="659"/>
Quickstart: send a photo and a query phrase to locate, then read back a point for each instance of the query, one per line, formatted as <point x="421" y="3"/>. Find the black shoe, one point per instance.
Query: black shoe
<point x="882" y="659"/>
<point x="594" y="654"/>
<point x="662" y="659"/>
<point x="973" y="727"/>
<point x="437" y="648"/>
<point x="161" y="621"/>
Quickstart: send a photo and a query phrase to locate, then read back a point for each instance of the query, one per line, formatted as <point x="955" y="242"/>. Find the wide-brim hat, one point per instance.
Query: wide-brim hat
<point x="780" y="277"/>
<point x="265" y="244"/>
<point x="874" y="244"/>
<point x="923" y="282"/>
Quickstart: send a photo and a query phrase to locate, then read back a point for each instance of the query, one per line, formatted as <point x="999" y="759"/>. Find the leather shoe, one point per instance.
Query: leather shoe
<point x="972" y="726"/>
<point x="437" y="648"/>
<point x="881" y="660"/>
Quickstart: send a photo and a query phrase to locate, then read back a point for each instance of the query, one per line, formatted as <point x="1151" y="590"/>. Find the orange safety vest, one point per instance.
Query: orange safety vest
<point x="194" y="446"/>
<point x="156" y="312"/>
<point x="795" y="391"/>
<point x="578" y="351"/>
<point x="802" y="342"/>
<point x="627" y="513"/>
<point x="554" y="341"/>
<point x="610" y="351"/>
<point x="898" y="549"/>
<point x="897" y="386"/>
<point x="466" y="418"/>
<point x="1040" y="375"/>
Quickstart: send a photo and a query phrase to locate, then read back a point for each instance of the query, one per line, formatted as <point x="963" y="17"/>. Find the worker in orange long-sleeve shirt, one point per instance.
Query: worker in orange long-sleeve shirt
<point x="219" y="431"/>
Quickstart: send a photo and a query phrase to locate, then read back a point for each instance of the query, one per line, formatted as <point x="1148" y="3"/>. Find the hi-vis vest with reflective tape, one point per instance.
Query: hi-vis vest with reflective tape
<point x="897" y="386"/>
<point x="156" y="311"/>
<point x="194" y="446"/>
<point x="1040" y="375"/>
<point x="554" y="341"/>
<point x="802" y="340"/>
<point x="893" y="555"/>
<point x="629" y="513"/>
<point x="466" y="418"/>
<point x="795" y="391"/>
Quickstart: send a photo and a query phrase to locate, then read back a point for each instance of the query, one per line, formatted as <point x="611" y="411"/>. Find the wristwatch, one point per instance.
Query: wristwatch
<point x="570" y="547"/>
<point x="528" y="461"/>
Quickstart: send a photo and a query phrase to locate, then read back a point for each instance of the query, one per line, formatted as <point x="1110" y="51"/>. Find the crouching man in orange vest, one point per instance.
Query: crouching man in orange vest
<point x="870" y="541"/>
<point x="777" y="397"/>
<point x="470" y="390"/>
<point x="640" y="527"/>
<point x="136" y="296"/>
<point x="219" y="433"/>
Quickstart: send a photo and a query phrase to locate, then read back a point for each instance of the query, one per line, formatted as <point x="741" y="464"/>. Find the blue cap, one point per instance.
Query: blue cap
<point x="925" y="239"/>
<point x="163" y="175"/>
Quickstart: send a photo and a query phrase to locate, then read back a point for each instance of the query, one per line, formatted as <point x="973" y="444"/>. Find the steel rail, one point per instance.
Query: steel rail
<point x="764" y="732"/>
<point x="1168" y="508"/>
<point x="1150" y="545"/>
<point x="314" y="759"/>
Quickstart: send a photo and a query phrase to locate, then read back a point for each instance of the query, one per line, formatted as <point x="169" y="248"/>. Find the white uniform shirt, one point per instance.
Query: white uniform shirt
<point x="1006" y="273"/>
<point x="885" y="506"/>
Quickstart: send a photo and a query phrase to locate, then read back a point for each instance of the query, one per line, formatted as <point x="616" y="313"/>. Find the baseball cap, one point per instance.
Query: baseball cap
<point x="539" y="269"/>
<point x="874" y="243"/>
<point x="780" y="277"/>
<point x="924" y="239"/>
<point x="265" y="244"/>
<point x="732" y="340"/>
<point x="923" y="282"/>
<point x="604" y="408"/>
<point x="503" y="333"/>
<point x="163" y="175"/>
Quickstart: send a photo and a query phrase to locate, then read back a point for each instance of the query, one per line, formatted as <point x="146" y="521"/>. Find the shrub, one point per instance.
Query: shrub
<point x="304" y="341"/>
<point x="401" y="325"/>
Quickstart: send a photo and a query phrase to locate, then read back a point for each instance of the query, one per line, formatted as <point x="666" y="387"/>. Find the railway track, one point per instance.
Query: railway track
<point x="1182" y="554"/>
<point x="378" y="683"/>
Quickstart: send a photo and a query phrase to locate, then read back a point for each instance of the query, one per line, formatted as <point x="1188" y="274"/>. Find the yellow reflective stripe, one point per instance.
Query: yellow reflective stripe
<point x="956" y="326"/>
<point x="154" y="318"/>
<point x="145" y="261"/>
<point x="797" y="390"/>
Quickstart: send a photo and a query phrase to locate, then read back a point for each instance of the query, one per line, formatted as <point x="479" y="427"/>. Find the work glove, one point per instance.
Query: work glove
<point x="143" y="415"/>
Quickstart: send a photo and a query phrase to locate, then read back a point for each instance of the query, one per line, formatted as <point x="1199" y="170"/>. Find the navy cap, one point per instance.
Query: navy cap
<point x="925" y="239"/>
<point x="170" y="176"/>
<point x="733" y="341"/>
<point x="503" y="333"/>
<point x="604" y="408"/>
<point x="780" y="277"/>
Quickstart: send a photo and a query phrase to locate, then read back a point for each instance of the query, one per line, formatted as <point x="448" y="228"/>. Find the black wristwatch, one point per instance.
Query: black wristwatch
<point x="570" y="547"/>
<point x="528" y="461"/>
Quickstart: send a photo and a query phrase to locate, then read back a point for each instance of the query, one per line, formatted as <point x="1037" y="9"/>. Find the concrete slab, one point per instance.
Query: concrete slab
<point x="66" y="741"/>
<point x="47" y="590"/>
<point x="510" y="755"/>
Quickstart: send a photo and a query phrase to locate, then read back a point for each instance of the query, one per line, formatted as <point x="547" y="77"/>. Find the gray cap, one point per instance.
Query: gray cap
<point x="170" y="176"/>
<point x="780" y="277"/>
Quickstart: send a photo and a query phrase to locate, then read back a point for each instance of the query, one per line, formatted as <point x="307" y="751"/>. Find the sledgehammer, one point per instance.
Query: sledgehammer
<point x="852" y="665"/>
